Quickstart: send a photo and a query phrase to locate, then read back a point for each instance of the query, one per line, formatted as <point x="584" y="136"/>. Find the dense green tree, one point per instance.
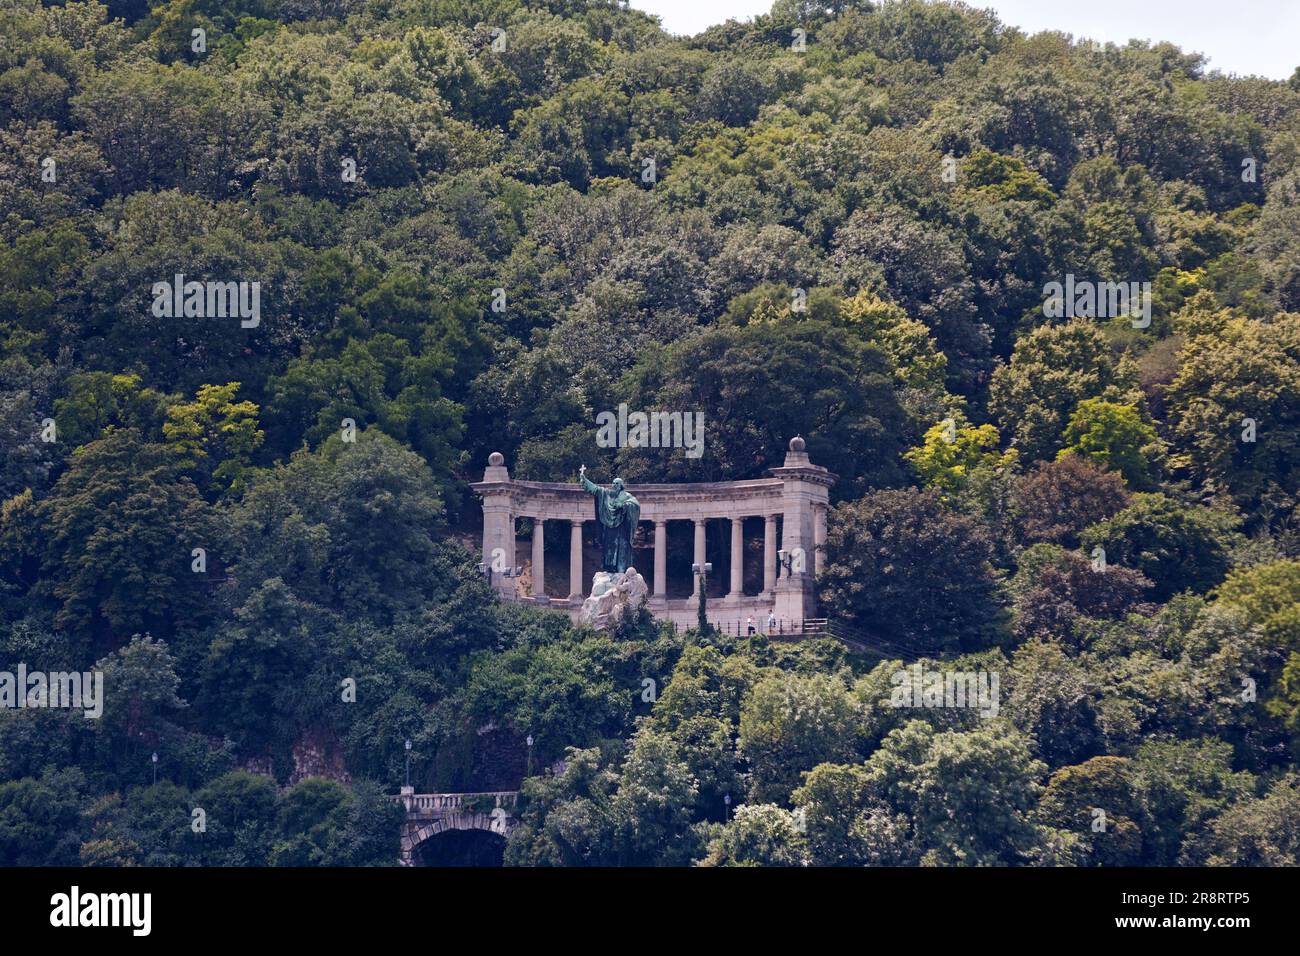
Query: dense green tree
<point x="1183" y="785"/>
<point x="652" y="808"/>
<point x="1268" y="595"/>
<point x="899" y="565"/>
<point x="27" y="460"/>
<point x="123" y="527"/>
<point x="1177" y="547"/>
<point x="1255" y="832"/>
<point x="566" y="820"/>
<point x="1114" y="437"/>
<point x="761" y="385"/>
<point x="1058" y="499"/>
<point x="1053" y="587"/>
<point x="789" y="724"/>
<point x="240" y="817"/>
<point x="954" y="456"/>
<point x="1056" y="699"/>
<point x="1053" y="369"/>
<point x="40" y="820"/>
<point x="1097" y="801"/>
<point x="760" y="834"/>
<point x="96" y="401"/>
<point x="349" y="526"/>
<point x="1232" y="407"/>
<point x="846" y="825"/>
<point x="216" y="436"/>
<point x="322" y="823"/>
<point x="969" y="795"/>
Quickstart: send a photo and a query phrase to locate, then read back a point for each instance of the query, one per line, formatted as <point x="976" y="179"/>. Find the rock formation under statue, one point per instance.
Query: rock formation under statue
<point x="614" y="598"/>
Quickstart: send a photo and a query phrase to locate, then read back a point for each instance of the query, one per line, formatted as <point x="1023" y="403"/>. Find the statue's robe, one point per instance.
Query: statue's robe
<point x="617" y="514"/>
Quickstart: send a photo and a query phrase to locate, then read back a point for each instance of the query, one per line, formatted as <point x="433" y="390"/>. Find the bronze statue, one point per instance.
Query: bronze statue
<point x="617" y="513"/>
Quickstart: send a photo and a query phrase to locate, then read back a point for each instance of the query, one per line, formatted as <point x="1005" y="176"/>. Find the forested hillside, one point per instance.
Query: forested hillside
<point x="470" y="226"/>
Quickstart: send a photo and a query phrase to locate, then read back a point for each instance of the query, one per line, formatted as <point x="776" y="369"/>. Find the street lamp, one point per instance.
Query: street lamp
<point x="408" y="763"/>
<point x="486" y="571"/>
<point x="726" y="801"/>
<point x="529" y="740"/>
<point x="701" y="571"/>
<point x="155" y="767"/>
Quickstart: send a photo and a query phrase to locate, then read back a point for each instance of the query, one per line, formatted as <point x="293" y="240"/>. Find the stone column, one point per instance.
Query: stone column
<point x="498" y="523"/>
<point x="661" y="560"/>
<point x="699" y="555"/>
<point x="737" y="561"/>
<point x="805" y="486"/>
<point x="576" y="585"/>
<point x="819" y="537"/>
<point x="769" y="553"/>
<point x="539" y="559"/>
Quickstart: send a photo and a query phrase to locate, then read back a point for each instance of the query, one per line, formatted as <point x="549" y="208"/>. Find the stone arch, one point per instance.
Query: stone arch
<point x="416" y="833"/>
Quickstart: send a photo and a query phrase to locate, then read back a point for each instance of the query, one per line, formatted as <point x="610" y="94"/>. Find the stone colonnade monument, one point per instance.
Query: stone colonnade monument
<point x="792" y="503"/>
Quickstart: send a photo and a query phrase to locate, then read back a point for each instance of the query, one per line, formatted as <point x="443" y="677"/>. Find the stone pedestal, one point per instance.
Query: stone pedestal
<point x="614" y="597"/>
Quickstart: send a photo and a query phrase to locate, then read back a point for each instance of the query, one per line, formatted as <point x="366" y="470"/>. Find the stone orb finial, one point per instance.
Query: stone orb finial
<point x="496" y="459"/>
<point x="797" y="443"/>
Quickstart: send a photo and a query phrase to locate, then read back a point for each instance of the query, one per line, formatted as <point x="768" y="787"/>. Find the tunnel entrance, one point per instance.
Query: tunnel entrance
<point x="461" y="848"/>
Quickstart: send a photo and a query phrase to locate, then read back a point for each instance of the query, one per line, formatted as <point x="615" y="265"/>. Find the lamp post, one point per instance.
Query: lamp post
<point x="408" y="763"/>
<point x="529" y="740"/>
<point x="701" y="571"/>
<point x="726" y="803"/>
<point x="486" y="571"/>
<point x="154" y="760"/>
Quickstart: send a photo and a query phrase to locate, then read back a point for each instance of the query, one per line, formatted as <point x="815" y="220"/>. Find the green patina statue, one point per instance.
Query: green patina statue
<point x="618" y="512"/>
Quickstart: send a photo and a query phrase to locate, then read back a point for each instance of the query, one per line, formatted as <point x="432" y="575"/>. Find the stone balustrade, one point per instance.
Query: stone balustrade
<point x="435" y="803"/>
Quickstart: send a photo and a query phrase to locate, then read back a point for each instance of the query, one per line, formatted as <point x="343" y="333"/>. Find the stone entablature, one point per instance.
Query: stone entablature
<point x="796" y="496"/>
<point x="557" y="501"/>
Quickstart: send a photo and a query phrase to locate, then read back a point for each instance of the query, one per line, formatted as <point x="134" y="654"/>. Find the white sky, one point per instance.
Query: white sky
<point x="1239" y="36"/>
